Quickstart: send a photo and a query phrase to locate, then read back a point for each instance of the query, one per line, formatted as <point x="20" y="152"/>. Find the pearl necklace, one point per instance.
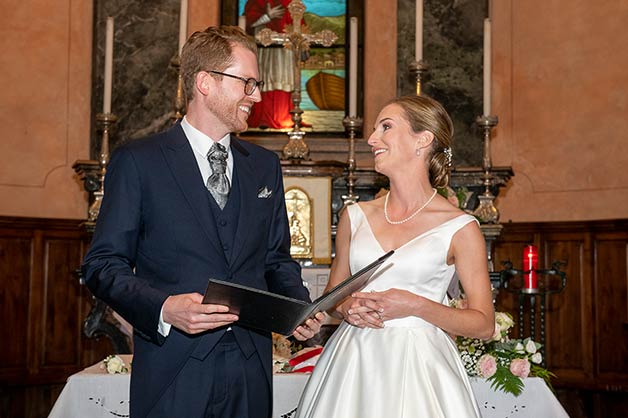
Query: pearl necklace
<point x="416" y="212"/>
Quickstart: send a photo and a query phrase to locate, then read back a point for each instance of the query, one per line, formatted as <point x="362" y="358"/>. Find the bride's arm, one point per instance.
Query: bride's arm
<point x="357" y="312"/>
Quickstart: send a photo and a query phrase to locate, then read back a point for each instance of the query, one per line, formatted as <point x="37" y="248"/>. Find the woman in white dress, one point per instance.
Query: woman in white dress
<point x="392" y="356"/>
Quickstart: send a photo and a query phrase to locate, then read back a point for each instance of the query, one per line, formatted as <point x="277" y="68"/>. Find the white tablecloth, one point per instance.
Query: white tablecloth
<point x="92" y="393"/>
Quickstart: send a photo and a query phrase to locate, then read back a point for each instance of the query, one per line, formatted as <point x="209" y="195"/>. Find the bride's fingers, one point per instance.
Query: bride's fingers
<point x="366" y="306"/>
<point x="373" y="319"/>
<point x="355" y="320"/>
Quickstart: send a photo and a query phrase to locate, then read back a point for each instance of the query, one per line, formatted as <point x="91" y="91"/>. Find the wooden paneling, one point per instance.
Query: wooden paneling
<point x="587" y="324"/>
<point x="15" y="259"/>
<point x="611" y="313"/>
<point x="42" y="307"/>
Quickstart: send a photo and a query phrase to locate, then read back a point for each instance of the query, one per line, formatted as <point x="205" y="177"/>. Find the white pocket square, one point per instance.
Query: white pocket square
<point x="264" y="193"/>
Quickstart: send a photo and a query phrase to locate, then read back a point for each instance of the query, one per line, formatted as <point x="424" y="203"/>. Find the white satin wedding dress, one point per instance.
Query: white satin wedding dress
<point x="409" y="368"/>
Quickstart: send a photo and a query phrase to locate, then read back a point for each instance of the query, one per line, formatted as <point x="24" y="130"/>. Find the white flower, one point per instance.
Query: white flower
<point x="504" y="321"/>
<point x="519" y="348"/>
<point x="530" y="347"/>
<point x="497" y="334"/>
<point x="114" y="365"/>
<point x="536" y="358"/>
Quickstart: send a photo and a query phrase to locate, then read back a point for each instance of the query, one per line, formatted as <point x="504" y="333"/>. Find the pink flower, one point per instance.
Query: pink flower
<point x="520" y="367"/>
<point x="487" y="365"/>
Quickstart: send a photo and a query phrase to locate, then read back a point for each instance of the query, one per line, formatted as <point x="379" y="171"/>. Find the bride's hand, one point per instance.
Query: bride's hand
<point x="361" y="313"/>
<point x="395" y="303"/>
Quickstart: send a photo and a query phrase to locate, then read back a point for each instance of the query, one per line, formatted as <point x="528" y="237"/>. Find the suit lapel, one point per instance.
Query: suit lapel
<point x="246" y="184"/>
<point x="182" y="163"/>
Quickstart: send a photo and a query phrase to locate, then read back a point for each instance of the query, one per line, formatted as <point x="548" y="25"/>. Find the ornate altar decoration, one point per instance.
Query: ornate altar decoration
<point x="308" y="203"/>
<point x="300" y="218"/>
<point x="101" y="321"/>
<point x="299" y="42"/>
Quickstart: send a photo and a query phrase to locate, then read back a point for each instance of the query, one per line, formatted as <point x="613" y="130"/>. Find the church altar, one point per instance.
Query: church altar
<point x="93" y="393"/>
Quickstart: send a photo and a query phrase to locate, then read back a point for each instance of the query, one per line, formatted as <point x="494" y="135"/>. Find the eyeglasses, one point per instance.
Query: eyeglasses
<point x="250" y="84"/>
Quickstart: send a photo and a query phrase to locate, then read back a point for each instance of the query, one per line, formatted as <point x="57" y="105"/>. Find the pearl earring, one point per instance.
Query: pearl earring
<point x="418" y="152"/>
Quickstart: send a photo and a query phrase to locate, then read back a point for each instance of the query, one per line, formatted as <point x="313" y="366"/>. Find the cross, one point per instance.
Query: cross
<point x="294" y="38"/>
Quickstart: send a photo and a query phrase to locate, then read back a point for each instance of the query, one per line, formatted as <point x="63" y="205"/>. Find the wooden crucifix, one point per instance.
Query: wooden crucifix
<point x="299" y="42"/>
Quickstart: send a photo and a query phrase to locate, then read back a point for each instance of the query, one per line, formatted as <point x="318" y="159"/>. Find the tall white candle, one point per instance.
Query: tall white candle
<point x="183" y="24"/>
<point x="418" y="48"/>
<point x="487" y="67"/>
<point x="242" y="22"/>
<point x="106" y="107"/>
<point x="353" y="67"/>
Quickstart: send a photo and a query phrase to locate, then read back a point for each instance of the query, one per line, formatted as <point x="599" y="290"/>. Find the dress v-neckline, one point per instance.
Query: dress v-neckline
<point x="366" y="219"/>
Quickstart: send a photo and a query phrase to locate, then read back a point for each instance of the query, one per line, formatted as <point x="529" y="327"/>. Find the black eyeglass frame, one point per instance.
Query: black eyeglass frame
<point x="248" y="82"/>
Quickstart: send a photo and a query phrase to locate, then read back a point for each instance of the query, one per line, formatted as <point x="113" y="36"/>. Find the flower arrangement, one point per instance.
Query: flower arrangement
<point x="500" y="360"/>
<point x="114" y="365"/>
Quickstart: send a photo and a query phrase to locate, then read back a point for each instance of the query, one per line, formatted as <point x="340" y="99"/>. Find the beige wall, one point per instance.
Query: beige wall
<point x="44" y="110"/>
<point x="560" y="90"/>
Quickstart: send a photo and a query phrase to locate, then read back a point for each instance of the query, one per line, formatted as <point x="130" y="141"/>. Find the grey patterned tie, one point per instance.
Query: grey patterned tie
<point x="218" y="183"/>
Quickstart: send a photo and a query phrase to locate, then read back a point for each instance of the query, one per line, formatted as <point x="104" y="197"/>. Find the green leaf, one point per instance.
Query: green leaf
<point x="505" y="381"/>
<point x="546" y="375"/>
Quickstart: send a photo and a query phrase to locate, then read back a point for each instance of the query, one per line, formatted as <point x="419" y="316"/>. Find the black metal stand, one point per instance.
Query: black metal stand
<point x="511" y="280"/>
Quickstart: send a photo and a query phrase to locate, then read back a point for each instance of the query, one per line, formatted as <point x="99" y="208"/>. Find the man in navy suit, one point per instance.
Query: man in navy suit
<point x="161" y="235"/>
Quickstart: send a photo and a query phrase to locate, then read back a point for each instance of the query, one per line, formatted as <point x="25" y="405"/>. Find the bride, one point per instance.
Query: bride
<point x="392" y="355"/>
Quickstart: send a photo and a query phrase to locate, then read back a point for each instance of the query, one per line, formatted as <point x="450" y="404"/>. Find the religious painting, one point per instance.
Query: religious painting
<point x="322" y="69"/>
<point x="308" y="204"/>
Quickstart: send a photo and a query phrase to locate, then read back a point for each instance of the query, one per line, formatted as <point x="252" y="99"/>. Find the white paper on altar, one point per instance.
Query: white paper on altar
<point x="92" y="393"/>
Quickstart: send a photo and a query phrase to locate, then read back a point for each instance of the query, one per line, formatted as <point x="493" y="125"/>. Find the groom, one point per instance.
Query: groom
<point x="180" y="207"/>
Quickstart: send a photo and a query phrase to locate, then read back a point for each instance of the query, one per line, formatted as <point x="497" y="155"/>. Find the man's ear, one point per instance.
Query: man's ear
<point x="202" y="82"/>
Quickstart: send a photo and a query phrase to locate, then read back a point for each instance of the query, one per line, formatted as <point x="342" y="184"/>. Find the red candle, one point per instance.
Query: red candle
<point x="530" y="264"/>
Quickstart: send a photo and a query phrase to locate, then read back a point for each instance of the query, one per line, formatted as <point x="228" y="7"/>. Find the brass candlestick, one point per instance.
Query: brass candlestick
<point x="486" y="210"/>
<point x="179" y="100"/>
<point x="417" y="70"/>
<point x="353" y="125"/>
<point x="106" y="120"/>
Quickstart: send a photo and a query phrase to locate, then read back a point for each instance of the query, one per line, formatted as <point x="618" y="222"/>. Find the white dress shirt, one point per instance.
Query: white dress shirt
<point x="200" y="144"/>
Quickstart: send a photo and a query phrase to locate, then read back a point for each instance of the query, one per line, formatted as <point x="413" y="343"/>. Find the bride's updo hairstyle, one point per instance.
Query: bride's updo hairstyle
<point x="426" y="114"/>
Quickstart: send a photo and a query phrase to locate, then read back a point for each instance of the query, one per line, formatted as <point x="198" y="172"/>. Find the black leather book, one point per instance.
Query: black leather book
<point x="268" y="311"/>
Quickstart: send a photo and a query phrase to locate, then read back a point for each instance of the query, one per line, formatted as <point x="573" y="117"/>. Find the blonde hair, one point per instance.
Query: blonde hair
<point x="211" y="49"/>
<point x="426" y="114"/>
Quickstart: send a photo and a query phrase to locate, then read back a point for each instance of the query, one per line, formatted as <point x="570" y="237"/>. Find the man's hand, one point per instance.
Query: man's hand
<point x="310" y="328"/>
<point x="187" y="313"/>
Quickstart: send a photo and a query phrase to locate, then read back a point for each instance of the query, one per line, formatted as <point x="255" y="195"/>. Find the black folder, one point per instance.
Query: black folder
<point x="268" y="311"/>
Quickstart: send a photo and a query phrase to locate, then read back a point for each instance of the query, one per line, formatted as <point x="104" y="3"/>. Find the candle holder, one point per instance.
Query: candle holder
<point x="353" y="125"/>
<point x="417" y="70"/>
<point x="106" y="120"/>
<point x="296" y="148"/>
<point x="550" y="281"/>
<point x="179" y="99"/>
<point x="486" y="210"/>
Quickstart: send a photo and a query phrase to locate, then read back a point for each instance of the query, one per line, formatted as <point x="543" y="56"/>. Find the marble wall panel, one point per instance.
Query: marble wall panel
<point x="452" y="48"/>
<point x="144" y="81"/>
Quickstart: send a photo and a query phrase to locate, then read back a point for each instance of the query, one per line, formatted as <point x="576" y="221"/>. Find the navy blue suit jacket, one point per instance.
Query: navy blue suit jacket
<point x="156" y="236"/>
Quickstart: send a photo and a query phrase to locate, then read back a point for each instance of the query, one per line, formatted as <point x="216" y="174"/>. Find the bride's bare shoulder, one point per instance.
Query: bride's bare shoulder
<point x="371" y="206"/>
